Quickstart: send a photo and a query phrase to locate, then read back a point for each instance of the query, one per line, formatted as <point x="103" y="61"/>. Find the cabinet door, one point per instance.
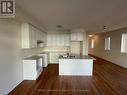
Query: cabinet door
<point x="54" y="57"/>
<point x="73" y="36"/>
<point x="29" y="73"/>
<point x="37" y="35"/>
<point x="33" y="37"/>
<point x="66" y="40"/>
<point x="40" y="35"/>
<point x="25" y="36"/>
<point x="60" y="38"/>
<point x="49" y="40"/>
<point x="42" y="39"/>
<point x="53" y="40"/>
<point x="75" y="47"/>
<point x="79" y="36"/>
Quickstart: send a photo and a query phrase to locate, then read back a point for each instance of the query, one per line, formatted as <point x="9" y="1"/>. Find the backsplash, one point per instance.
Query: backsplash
<point x="30" y="52"/>
<point x="57" y="49"/>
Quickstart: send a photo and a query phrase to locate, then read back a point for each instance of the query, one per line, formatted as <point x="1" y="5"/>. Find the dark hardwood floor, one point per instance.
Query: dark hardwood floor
<point x="108" y="79"/>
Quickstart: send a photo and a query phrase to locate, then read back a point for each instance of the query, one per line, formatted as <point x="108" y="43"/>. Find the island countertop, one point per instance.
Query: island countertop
<point x="77" y="57"/>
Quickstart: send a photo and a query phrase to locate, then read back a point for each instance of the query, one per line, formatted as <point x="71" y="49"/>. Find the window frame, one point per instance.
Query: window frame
<point x="92" y="43"/>
<point x="124" y="43"/>
<point x="108" y="43"/>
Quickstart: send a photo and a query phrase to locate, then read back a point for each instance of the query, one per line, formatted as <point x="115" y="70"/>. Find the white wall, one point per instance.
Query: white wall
<point x="114" y="55"/>
<point x="10" y="55"/>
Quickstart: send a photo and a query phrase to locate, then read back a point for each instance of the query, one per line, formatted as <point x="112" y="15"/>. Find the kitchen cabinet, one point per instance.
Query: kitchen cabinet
<point x="54" y="57"/>
<point x="30" y="35"/>
<point x="77" y="66"/>
<point x="32" y="67"/>
<point x="58" y="39"/>
<point x="76" y="36"/>
<point x="33" y="38"/>
<point x="66" y="40"/>
<point x="25" y="36"/>
<point x="45" y="59"/>
<point x="73" y="36"/>
<point x="39" y="35"/>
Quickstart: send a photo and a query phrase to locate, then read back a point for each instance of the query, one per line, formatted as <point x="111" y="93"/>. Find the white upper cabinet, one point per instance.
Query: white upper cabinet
<point x="66" y="40"/>
<point x="76" y="36"/>
<point x="73" y="36"/>
<point x="80" y="36"/>
<point x="33" y="38"/>
<point x="25" y="35"/>
<point x="58" y="39"/>
<point x="30" y="36"/>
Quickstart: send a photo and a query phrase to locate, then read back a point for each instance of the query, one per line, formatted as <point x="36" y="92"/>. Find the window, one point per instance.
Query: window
<point x="107" y="43"/>
<point x="92" y="43"/>
<point x="124" y="43"/>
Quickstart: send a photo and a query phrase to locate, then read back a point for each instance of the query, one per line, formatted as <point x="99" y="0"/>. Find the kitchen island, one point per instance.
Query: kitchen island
<point x="76" y="65"/>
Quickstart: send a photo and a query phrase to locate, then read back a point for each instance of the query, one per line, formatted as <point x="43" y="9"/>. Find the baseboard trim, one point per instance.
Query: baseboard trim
<point x="107" y="61"/>
<point x="15" y="88"/>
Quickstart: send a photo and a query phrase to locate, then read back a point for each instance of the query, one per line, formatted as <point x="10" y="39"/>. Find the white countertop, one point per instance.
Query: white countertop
<point x="33" y="58"/>
<point x="77" y="57"/>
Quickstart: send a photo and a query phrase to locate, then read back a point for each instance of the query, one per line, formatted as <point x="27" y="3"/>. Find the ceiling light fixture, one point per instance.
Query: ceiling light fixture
<point x="104" y="27"/>
<point x="59" y="26"/>
<point x="90" y="35"/>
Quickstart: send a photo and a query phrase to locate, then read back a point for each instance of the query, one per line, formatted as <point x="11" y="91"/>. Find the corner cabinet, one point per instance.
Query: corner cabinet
<point x="30" y="35"/>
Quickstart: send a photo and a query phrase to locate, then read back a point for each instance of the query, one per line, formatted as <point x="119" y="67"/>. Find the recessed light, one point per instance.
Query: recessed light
<point x="90" y="35"/>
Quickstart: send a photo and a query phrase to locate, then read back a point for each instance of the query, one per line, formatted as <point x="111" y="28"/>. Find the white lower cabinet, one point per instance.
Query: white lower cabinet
<point x="76" y="66"/>
<point x="32" y="68"/>
<point x="54" y="57"/>
<point x="45" y="59"/>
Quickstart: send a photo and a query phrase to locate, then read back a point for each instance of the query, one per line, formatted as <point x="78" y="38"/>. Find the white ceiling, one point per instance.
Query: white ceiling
<point x="91" y="15"/>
